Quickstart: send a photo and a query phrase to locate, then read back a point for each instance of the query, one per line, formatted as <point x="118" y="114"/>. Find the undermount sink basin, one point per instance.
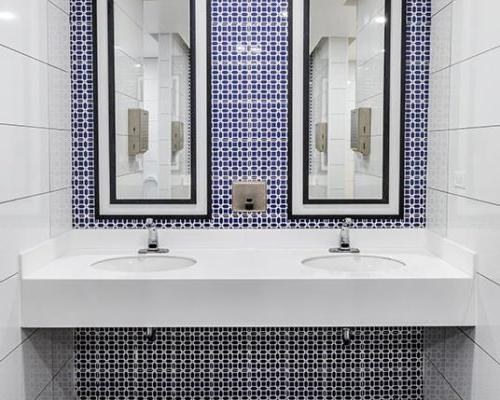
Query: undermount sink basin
<point x="144" y="263"/>
<point x="354" y="263"/>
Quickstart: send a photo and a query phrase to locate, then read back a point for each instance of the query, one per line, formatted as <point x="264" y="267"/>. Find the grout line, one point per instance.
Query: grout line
<point x="444" y="378"/>
<point x="441" y="9"/>
<point x="489" y="279"/>
<point x="34" y="195"/>
<point x="34" y="127"/>
<point x="478" y="345"/>
<point x="19" y="345"/>
<point x="475" y="55"/>
<point x="33" y="58"/>
<point x="468" y="128"/>
<point x="465" y="197"/>
<point x="57" y="6"/>
<point x="9" y="277"/>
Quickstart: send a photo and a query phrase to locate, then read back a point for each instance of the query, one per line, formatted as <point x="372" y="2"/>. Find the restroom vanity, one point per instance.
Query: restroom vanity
<point x="96" y="278"/>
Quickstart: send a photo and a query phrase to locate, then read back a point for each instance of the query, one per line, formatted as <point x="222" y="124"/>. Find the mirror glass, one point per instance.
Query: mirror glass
<point x="346" y="108"/>
<point x="152" y="140"/>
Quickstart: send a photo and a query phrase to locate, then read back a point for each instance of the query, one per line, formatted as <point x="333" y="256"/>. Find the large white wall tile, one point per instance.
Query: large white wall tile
<point x="58" y="97"/>
<point x="60" y="212"/>
<point x="10" y="315"/>
<point x="28" y="369"/>
<point x="23" y="224"/>
<point x="441" y="39"/>
<point x="437" y="160"/>
<point x="474" y="88"/>
<point x="24" y="83"/>
<point x="20" y="14"/>
<point x="24" y="162"/>
<point x="439" y="100"/>
<point x="473" y="158"/>
<point x="487" y="332"/>
<point x="476" y="225"/>
<point x="128" y="35"/>
<point x="58" y="37"/>
<point x="438" y="5"/>
<point x="475" y="28"/>
<point x="472" y="372"/>
<point x="63" y="4"/>
<point x="60" y="159"/>
<point x="437" y="211"/>
<point x="435" y="386"/>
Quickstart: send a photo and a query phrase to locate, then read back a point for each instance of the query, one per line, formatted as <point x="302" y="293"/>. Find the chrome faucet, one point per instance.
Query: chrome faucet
<point x="345" y="240"/>
<point x="153" y="246"/>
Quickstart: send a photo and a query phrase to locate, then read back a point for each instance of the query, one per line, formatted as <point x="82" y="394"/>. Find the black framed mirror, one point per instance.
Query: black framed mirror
<point x="347" y="113"/>
<point x="152" y="87"/>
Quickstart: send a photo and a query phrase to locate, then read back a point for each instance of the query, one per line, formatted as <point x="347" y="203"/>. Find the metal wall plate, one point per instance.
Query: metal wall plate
<point x="249" y="196"/>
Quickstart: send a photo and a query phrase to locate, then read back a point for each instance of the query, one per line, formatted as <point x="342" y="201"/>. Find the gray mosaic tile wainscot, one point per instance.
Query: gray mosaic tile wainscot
<point x="251" y="142"/>
<point x="249" y="364"/>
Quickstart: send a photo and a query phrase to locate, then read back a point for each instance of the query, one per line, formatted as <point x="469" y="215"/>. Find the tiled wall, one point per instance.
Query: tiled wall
<point x="35" y="194"/>
<point x="464" y="187"/>
<point x="249" y="122"/>
<point x="250" y="363"/>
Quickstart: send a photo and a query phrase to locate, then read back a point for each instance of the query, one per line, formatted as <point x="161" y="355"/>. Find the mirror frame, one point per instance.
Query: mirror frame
<point x="198" y="206"/>
<point x="391" y="205"/>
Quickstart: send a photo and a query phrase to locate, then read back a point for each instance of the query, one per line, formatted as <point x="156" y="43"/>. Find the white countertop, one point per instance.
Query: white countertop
<point x="248" y="278"/>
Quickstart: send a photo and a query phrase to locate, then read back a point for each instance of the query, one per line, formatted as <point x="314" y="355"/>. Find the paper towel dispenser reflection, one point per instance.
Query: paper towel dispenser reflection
<point x="138" y="131"/>
<point x="177" y="136"/>
<point x="361" y="130"/>
<point x="321" y="137"/>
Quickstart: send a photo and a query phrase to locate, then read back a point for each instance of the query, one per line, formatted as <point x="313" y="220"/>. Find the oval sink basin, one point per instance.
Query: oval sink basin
<point x="354" y="263"/>
<point x="144" y="263"/>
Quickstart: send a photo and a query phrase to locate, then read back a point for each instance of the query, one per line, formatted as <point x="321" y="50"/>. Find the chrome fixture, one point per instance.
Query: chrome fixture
<point x="152" y="240"/>
<point x="346" y="336"/>
<point x="150" y="334"/>
<point x="345" y="241"/>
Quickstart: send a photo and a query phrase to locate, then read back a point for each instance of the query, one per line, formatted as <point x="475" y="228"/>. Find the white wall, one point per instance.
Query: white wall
<point x="464" y="187"/>
<point x="35" y="182"/>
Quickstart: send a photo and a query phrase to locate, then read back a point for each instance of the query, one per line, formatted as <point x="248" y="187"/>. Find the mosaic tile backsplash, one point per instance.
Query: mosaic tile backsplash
<point x="249" y="363"/>
<point x="249" y="125"/>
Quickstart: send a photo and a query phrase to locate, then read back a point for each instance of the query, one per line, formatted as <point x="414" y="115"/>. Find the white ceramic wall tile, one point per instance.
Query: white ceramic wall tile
<point x="434" y="346"/>
<point x="128" y="73"/>
<point x="475" y="27"/>
<point x="24" y="162"/>
<point x="128" y="36"/>
<point x="473" y="373"/>
<point x="58" y="94"/>
<point x="437" y="5"/>
<point x="19" y="14"/>
<point x="370" y="78"/>
<point x="134" y="10"/>
<point x="437" y="211"/>
<point x="60" y="212"/>
<point x="441" y="39"/>
<point x="58" y="37"/>
<point x="47" y="393"/>
<point x="62" y="348"/>
<point x="60" y="159"/>
<point x="23" y="99"/>
<point x="64" y="385"/>
<point x="439" y="100"/>
<point x="473" y="158"/>
<point x="62" y="4"/>
<point x="437" y="160"/>
<point x="476" y="225"/>
<point x="10" y="314"/>
<point x="487" y="332"/>
<point x="474" y="88"/>
<point x="435" y="386"/>
<point x="366" y="10"/>
<point x="28" y="369"/>
<point x="23" y="224"/>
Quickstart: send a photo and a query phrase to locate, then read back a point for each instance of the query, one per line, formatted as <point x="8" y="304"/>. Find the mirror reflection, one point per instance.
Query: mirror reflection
<point x="152" y="148"/>
<point x="347" y="96"/>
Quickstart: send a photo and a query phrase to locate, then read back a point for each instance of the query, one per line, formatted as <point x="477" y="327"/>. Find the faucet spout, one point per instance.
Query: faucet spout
<point x="153" y="243"/>
<point x="345" y="239"/>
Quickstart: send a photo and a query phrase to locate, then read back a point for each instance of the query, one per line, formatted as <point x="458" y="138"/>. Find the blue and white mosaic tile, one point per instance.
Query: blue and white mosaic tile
<point x="249" y="125"/>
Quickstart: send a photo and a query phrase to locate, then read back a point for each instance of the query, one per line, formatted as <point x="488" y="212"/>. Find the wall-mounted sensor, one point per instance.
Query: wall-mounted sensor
<point x="138" y="131"/>
<point x="361" y="130"/>
<point x="249" y="196"/>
